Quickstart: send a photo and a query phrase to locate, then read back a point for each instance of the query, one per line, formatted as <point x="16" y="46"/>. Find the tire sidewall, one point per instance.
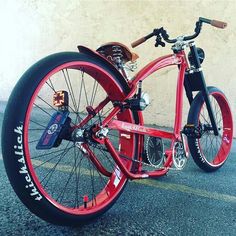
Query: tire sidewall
<point x="193" y="118"/>
<point x="13" y="142"/>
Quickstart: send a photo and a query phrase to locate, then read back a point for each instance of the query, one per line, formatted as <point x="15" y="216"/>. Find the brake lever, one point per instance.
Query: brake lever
<point x="159" y="41"/>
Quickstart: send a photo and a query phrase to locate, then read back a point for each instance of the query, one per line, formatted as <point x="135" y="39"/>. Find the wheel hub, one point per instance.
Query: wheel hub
<point x="94" y="134"/>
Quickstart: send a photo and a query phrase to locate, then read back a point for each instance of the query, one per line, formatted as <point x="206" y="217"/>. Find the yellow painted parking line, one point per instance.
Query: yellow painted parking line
<point x="152" y="183"/>
<point x="189" y="190"/>
<point x="60" y="167"/>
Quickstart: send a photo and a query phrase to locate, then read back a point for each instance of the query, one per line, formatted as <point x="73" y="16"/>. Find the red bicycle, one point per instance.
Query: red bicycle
<point x="73" y="131"/>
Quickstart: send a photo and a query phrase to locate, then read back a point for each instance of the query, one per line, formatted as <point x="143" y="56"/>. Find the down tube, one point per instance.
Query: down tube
<point x="179" y="101"/>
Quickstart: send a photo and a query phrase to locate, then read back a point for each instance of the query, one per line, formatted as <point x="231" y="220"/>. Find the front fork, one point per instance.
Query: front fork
<point x="198" y="85"/>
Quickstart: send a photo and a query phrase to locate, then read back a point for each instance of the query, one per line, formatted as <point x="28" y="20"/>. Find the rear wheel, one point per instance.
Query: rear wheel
<point x="210" y="152"/>
<point x="62" y="184"/>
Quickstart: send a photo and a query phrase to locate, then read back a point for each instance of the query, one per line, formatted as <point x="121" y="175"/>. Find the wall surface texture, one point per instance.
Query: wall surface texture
<point x="32" y="29"/>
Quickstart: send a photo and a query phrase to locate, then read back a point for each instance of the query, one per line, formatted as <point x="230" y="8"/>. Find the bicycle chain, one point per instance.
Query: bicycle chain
<point x="137" y="161"/>
<point x="150" y="165"/>
<point x="128" y="158"/>
<point x="143" y="163"/>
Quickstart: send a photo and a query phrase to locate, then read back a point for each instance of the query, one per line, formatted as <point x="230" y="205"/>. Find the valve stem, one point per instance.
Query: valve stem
<point x="86" y="199"/>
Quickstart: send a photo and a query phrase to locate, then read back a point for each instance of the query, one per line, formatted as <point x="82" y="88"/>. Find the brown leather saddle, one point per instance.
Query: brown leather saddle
<point x="114" y="49"/>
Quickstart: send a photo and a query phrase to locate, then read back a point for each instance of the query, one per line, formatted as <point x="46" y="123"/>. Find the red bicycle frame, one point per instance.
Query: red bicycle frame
<point x="178" y="59"/>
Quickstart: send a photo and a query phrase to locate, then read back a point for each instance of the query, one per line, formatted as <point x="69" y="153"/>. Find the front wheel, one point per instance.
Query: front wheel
<point x="210" y="152"/>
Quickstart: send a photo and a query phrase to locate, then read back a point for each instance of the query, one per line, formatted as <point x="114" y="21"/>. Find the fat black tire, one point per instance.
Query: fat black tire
<point x="13" y="124"/>
<point x="196" y="150"/>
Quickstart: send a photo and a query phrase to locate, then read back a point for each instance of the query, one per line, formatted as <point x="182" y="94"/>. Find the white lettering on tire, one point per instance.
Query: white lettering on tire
<point x="23" y="170"/>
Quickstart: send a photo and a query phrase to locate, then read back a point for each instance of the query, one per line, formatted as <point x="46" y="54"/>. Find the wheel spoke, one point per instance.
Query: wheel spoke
<point x="42" y="109"/>
<point x="52" y="170"/>
<point x="47" y="103"/>
<point x="77" y="176"/>
<point x="70" y="89"/>
<point x="43" y="126"/>
<point x="85" y="91"/>
<point x="50" y="85"/>
<point x="94" y="92"/>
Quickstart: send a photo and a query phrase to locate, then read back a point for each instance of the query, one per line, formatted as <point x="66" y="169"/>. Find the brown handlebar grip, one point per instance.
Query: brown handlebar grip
<point x="218" y="24"/>
<point x="138" y="42"/>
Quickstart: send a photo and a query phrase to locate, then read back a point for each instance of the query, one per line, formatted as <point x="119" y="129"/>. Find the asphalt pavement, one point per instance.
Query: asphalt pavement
<point x="188" y="202"/>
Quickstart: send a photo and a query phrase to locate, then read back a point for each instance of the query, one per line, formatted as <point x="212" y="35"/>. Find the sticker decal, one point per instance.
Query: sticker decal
<point x="118" y="176"/>
<point x="52" y="129"/>
<point x="127" y="136"/>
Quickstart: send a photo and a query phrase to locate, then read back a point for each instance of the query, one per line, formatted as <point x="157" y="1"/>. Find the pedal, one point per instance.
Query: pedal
<point x="50" y="135"/>
<point x="192" y="131"/>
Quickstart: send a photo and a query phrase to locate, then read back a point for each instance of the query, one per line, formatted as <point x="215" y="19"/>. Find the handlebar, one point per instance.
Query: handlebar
<point x="138" y="42"/>
<point x="162" y="34"/>
<point x="215" y="23"/>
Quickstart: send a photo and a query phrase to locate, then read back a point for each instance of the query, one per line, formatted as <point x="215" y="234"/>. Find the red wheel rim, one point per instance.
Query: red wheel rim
<point x="114" y="185"/>
<point x="222" y="144"/>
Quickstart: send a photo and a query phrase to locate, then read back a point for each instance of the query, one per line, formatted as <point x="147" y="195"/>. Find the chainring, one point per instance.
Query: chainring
<point x="154" y="151"/>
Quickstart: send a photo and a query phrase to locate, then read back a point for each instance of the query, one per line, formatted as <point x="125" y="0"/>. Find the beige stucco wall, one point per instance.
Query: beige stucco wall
<point x="31" y="29"/>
